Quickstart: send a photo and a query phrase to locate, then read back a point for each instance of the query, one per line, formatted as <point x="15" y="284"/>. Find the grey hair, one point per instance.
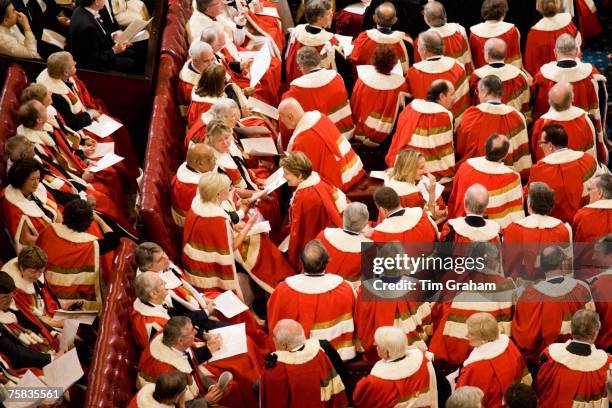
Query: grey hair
<point x="144" y="253"/>
<point x="465" y="397"/>
<point x="603" y="182"/>
<point x="496" y="49"/>
<point x="308" y="57"/>
<point x="476" y="199"/>
<point x="355" y="217"/>
<point x="144" y="283"/>
<point x="432" y="42"/>
<point x="435" y="14"/>
<point x="15" y="147"/>
<point x="198" y="48"/>
<point x="391" y="339"/>
<point x="222" y="106"/>
<point x="290" y="333"/>
<point x="210" y="33"/>
<point x="566" y="45"/>
<point x="585" y="324"/>
<point x="173" y="330"/>
<point x="315" y="9"/>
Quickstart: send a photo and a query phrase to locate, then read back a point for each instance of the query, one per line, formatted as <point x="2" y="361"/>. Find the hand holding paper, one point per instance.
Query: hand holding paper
<point x="229" y="304"/>
<point x="105" y="162"/>
<point x="131" y="31"/>
<point x="103" y="126"/>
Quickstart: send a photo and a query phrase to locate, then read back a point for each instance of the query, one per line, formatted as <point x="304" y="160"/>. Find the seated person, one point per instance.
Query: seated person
<point x="128" y="11"/>
<point x="465" y="397"/>
<point x="169" y="390"/>
<point x="45" y="15"/>
<point x="12" y="42"/>
<point x="209" y="90"/>
<point x="201" y="56"/>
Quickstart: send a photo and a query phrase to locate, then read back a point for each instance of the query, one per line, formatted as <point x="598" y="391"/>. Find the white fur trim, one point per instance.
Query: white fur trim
<point x="308" y="120"/>
<point x="488" y="350"/>
<point x="538" y="221"/>
<point x="310" y="351"/>
<point x="486" y="233"/>
<point x="184" y="175"/>
<point x="310" y="181"/>
<point x="404" y="368"/>
<point x="562" y="156"/>
<point x="485" y="166"/>
<point x="165" y="354"/>
<point x="207" y="99"/>
<point x="316" y="79"/>
<point x="423" y="106"/>
<point x="578" y="73"/>
<point x="491" y="28"/>
<point x="601" y="204"/>
<point x="439" y="66"/>
<point x="188" y="75"/>
<point x="382" y="38"/>
<point x="344" y="242"/>
<point x="37" y="136"/>
<point x="151" y="311"/>
<point x="13" y="270"/>
<point x="448" y="29"/>
<point x="29" y="208"/>
<point x="495" y="109"/>
<point x="145" y="399"/>
<point x="68" y="234"/>
<point x="505" y="73"/>
<point x="207" y="210"/>
<point x="553" y="23"/>
<point x="406" y="222"/>
<point x="558" y="289"/>
<point x="402" y="188"/>
<point x="300" y="34"/>
<point x="572" y="113"/>
<point x="314" y="285"/>
<point x="376" y="80"/>
<point x="593" y="362"/>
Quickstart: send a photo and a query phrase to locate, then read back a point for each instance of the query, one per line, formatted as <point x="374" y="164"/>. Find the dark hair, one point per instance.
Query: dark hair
<point x="604" y="183"/>
<point x="86" y="3"/>
<point x="78" y="215"/>
<point x="32" y="257"/>
<point x="541" y="198"/>
<point x="314" y="257"/>
<point x="493" y="9"/>
<point x="554" y="134"/>
<point x="7" y="284"/>
<point x="384" y="59"/>
<point x="27" y="114"/>
<point x="437" y="89"/>
<point x="169" y="386"/>
<point x="552" y="258"/>
<point x="386" y="198"/>
<point x="212" y="81"/>
<point x="604" y="245"/>
<point x="521" y="395"/>
<point x="315" y="9"/>
<point x="202" y="5"/>
<point x="21" y="170"/>
<point x="4" y="5"/>
<point x="550" y="7"/>
<point x="173" y="329"/>
<point x="496" y="153"/>
<point x="493" y="85"/>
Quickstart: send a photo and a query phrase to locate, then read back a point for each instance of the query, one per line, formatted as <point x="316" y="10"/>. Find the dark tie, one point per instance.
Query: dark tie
<point x="40" y="205"/>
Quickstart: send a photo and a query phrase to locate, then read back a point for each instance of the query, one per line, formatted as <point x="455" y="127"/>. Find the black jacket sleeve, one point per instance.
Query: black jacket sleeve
<point x="74" y="121"/>
<point x="108" y="243"/>
<point x="19" y="355"/>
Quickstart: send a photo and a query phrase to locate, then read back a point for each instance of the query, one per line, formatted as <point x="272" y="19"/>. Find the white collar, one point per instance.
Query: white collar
<point x="169" y="355"/>
<point x="538" y="221"/>
<point x="397" y="370"/>
<point x="207" y="210"/>
<point x="562" y="156"/>
<point x="314" y="285"/>
<point x="144" y="398"/>
<point x="423" y="106"/>
<point x="187" y="176"/>
<point x="381" y="38"/>
<point x="376" y="80"/>
<point x="308" y="120"/>
<point x="558" y="289"/>
<point x="553" y="23"/>
<point x="491" y="28"/>
<point x="603" y="204"/>
<point x="495" y="109"/>
<point x="12" y="269"/>
<point x="488" y="351"/>
<point x="506" y="72"/>
<point x="406" y="222"/>
<point x="402" y="188"/>
<point x="443" y="64"/>
<point x="342" y="241"/>
<point x="310" y="351"/>
<point x="70" y="235"/>
<point x="316" y="79"/>
<point x="572" y="113"/>
<point x="478" y="234"/>
<point x="310" y="181"/>
<point x="593" y="362"/>
<point x="150" y="310"/>
<point x="555" y="73"/>
<point x="29" y="208"/>
<point x="489" y="167"/>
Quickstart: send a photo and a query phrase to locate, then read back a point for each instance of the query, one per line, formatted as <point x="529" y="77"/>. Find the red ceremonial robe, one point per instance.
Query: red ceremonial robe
<point x="590" y="223"/>
<point x="455" y="42"/>
<point x="144" y="399"/>
<point x="479" y="122"/>
<point x="31" y="333"/>
<point x="322" y="304"/>
<point x="266" y="23"/>
<point x="600" y="288"/>
<point x="493" y="367"/>
<point x="544" y="312"/>
<point x="428" y="128"/>
<point x="184" y="189"/>
<point x="200" y="105"/>
<point x="571" y="380"/>
<point x="568" y="173"/>
<point x="588" y="21"/>
<point x="408" y="381"/>
<point x="465" y="233"/>
<point x="406" y="225"/>
<point x="147" y="320"/>
<point x="303" y="378"/>
<point x="481" y="33"/>
<point x="323" y="90"/>
<point x="324" y="41"/>
<point x="344" y="250"/>
<point x="503" y="184"/>
<point x="410" y="195"/>
<point x="315" y="205"/>
<point x="422" y="74"/>
<point x="187" y="80"/>
<point x="349" y="20"/>
<point x="375" y="103"/>
<point x="330" y="153"/>
<point x="365" y="44"/>
<point x="540" y="46"/>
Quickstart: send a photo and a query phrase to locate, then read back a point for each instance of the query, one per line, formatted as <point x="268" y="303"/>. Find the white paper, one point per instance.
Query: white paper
<point x="229" y="304"/>
<point x="104" y="126"/>
<point x="452" y="379"/>
<point x="346" y="43"/>
<point x="83" y="316"/>
<point x="29" y="380"/>
<point x="274" y="177"/>
<point x="53" y="38"/>
<point x="356" y="8"/>
<point x="103" y="149"/>
<point x="378" y="174"/>
<point x="69" y="332"/>
<point x="260" y="228"/>
<point x="63" y="371"/>
<point x="261" y="63"/>
<point x="422" y="186"/>
<point x="397" y="69"/>
<point x="132" y="30"/>
<point x="268" y="11"/>
<point x="233" y="341"/>
<point x="105" y="162"/>
<point x="284" y="246"/>
<point x="259" y="146"/>
<point x="247" y="54"/>
<point x="141" y="36"/>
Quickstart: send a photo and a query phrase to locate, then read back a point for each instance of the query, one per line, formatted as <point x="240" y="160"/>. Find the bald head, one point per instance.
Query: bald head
<point x="288" y="335"/>
<point x="496" y="147"/>
<point x="290" y="112"/>
<point x="560" y="96"/>
<point x="201" y="158"/>
<point x="314" y="257"/>
<point x="495" y="50"/>
<point x="566" y="47"/>
<point x="430" y="44"/>
<point x="434" y="13"/>
<point x="384" y="16"/>
<point x="476" y="199"/>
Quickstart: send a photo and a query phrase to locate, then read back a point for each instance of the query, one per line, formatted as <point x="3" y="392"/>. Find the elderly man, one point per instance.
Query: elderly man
<point x="506" y="193"/>
<point x="212" y="12"/>
<point x="514" y="81"/>
<point x="322" y="90"/>
<point x="401" y="376"/>
<point x="595" y="219"/>
<point x="575" y="372"/>
<point x="426" y="125"/>
<point x="566" y="171"/>
<point x="492" y="116"/>
<point x="299" y="373"/>
<point x="600" y="285"/>
<point x="317" y="137"/>
<point x="465" y="397"/>
<point x="581" y="135"/>
<point x="345" y="244"/>
<point x="453" y="35"/>
<point x="322" y="302"/>
<point x="472" y="227"/>
<point x="201" y="56"/>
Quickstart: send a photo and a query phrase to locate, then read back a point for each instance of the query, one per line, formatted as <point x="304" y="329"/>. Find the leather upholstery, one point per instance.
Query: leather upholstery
<point x="16" y="81"/>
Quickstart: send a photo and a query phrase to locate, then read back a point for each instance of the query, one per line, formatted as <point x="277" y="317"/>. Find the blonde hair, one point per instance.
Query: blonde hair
<point x="34" y="91"/>
<point x="215" y="129"/>
<point x="484" y="326"/>
<point x="391" y="339"/>
<point x="406" y="165"/>
<point x="548" y="8"/>
<point x="298" y="164"/>
<point x="57" y="64"/>
<point x="211" y="184"/>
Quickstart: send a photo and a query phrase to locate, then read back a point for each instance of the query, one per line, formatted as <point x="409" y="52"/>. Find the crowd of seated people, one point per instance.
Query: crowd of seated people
<point x="303" y="152"/>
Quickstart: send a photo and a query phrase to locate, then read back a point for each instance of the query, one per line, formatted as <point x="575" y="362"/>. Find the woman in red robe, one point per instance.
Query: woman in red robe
<point x="210" y="89"/>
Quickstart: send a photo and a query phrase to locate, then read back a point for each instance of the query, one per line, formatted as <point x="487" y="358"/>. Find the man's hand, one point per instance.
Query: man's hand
<point x="88" y="176"/>
<point x="116" y="34"/>
<point x="240" y="19"/>
<point x="248" y="91"/>
<point x="257" y="7"/>
<point x="121" y="47"/>
<point x="94" y="113"/>
<point x="245" y="63"/>
<point x="63" y="19"/>
<point x="213" y="395"/>
<point x="214" y="343"/>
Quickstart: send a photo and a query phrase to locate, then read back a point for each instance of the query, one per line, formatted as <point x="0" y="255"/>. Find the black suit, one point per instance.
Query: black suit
<point x="40" y="20"/>
<point x="20" y="356"/>
<point x="409" y="16"/>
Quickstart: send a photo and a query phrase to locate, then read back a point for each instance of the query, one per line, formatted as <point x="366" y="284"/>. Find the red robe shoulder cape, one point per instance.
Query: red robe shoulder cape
<point x="147" y="321"/>
<point x="366" y="42"/>
<point x="503" y="184"/>
<point x="493" y="367"/>
<point x="588" y="21"/>
<point x="32" y="334"/>
<point x="409" y="193"/>
<point x="344" y="252"/>
<point x="422" y="74"/>
<point x="315" y="205"/>
<point x="481" y="33"/>
<point x="184" y="189"/>
<point x="570" y="380"/>
<point x="330" y="153"/>
<point x="302" y="379"/>
<point x="323" y="305"/>
<point x="324" y="41"/>
<point x="541" y="39"/>
<point x="187" y="80"/>
<point x="593" y="221"/>
<point x="415" y="225"/>
<point x="375" y="103"/>
<point x="455" y="43"/>
<point x="199" y="105"/>
<point x="465" y="233"/>
<point x="544" y="312"/>
<point x="406" y="382"/>
<point x="479" y="122"/>
<point x="568" y="173"/>
<point x="600" y="288"/>
<point x="428" y="128"/>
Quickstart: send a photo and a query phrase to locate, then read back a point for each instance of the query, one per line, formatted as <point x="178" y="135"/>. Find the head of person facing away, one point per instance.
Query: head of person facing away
<point x="288" y="335"/>
<point x="476" y="200"/>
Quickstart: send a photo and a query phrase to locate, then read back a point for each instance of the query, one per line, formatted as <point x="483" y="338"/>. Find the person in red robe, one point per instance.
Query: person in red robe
<point x="368" y="41"/>
<point x="349" y="20"/>
<point x="209" y="90"/>
<point x="566" y="171"/>
<point x="580" y="130"/>
<point x="320" y="89"/>
<point x="315" y="204"/>
<point x="345" y="244"/>
<point x="588" y="86"/>
<point x="543" y="311"/>
<point x="599" y="289"/>
<point x="378" y="96"/>
<point x="494" y="363"/>
<point x="493" y="13"/>
<point x="516" y="82"/>
<point x="541" y="39"/>
<point x="492" y="116"/>
<point x="317" y="137"/>
<point x="321" y="302"/>
<point x="426" y="125"/>
<point x="201" y="56"/>
<point x="402" y="376"/>
<point x="575" y="373"/>
<point x="435" y="65"/>
<point x="299" y="374"/>
<point x="169" y="390"/>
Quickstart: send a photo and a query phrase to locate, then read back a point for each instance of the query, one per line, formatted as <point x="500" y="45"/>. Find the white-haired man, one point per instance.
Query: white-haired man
<point x="201" y="56"/>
